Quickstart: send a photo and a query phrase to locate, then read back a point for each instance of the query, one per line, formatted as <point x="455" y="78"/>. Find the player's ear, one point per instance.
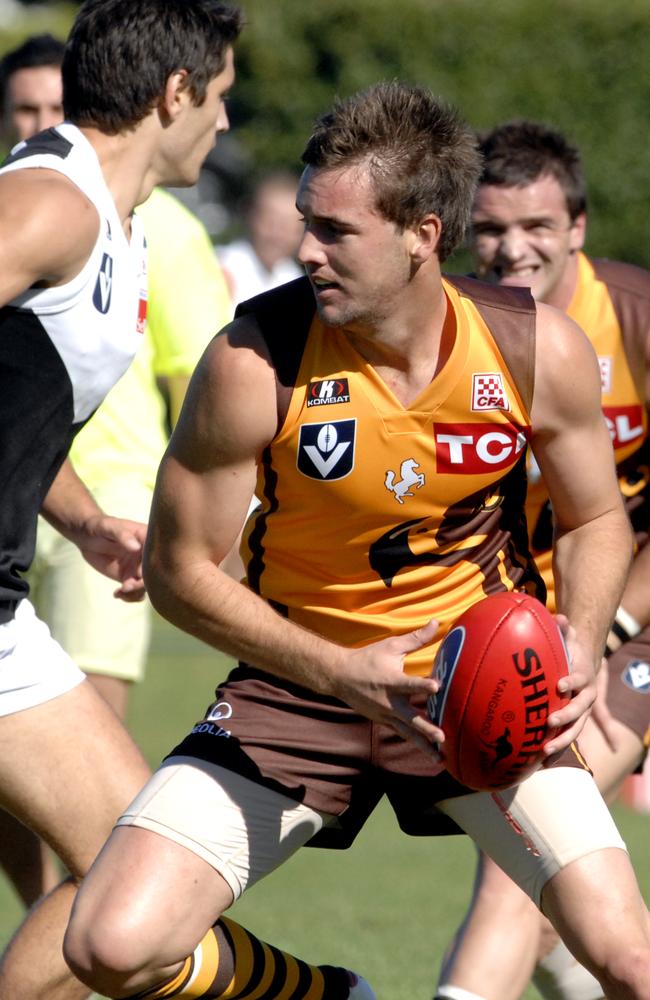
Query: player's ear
<point x="425" y="236"/>
<point x="578" y="231"/>
<point x="174" y="95"/>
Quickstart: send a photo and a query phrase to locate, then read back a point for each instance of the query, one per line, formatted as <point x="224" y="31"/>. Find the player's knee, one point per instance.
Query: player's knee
<point x="626" y="972"/>
<point x="106" y="954"/>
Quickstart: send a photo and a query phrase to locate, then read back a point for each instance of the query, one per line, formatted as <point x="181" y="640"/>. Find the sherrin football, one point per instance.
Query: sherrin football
<point x="498" y="668"/>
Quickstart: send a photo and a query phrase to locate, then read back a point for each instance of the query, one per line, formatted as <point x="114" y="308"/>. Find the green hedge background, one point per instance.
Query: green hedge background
<point x="577" y="64"/>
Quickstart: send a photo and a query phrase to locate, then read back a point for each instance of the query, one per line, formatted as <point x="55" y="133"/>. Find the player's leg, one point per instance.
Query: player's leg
<point x="494" y="951"/>
<point x="69" y="768"/>
<point x="554" y="835"/>
<point x="558" y="975"/>
<point x="148" y="918"/>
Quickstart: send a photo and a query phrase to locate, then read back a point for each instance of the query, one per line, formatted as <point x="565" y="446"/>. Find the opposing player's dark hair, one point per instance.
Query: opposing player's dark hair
<point x="37" y="50"/>
<point x="120" y="54"/>
<point x="422" y="156"/>
<point x="521" y="151"/>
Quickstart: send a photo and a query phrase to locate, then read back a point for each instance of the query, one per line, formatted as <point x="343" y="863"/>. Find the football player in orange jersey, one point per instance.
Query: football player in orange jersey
<point x="372" y="364"/>
<point x="528" y="229"/>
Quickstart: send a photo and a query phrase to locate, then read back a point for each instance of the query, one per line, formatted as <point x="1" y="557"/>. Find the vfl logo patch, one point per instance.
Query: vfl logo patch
<point x="326" y="451"/>
<point x="488" y="392"/>
<point x="104" y="286"/>
<point x="637" y="676"/>
<point x="409" y="479"/>
<point x="327" y="392"/>
<point x="444" y="666"/>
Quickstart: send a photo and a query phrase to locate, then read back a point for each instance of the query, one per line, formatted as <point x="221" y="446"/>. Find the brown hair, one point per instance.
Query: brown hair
<point x="422" y="157"/>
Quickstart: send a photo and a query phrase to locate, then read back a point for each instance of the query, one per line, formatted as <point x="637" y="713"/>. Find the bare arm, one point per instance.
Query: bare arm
<point x="593" y="543"/>
<point x="205" y="483"/>
<point x="111" y="545"/>
<point x="47" y="230"/>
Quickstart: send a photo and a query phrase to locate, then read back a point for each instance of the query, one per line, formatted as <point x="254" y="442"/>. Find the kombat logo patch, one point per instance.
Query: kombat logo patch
<point x="326" y="451"/>
<point x="488" y="392"/>
<point x="637" y="676"/>
<point x="327" y="392"/>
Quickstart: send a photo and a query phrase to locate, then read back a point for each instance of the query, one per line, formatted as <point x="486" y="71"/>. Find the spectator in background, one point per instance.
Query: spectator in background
<point x="118" y="451"/>
<point x="30" y="88"/>
<point x="266" y="256"/>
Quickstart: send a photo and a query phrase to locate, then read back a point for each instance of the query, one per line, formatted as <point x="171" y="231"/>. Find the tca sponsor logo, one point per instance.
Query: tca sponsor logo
<point x="473" y="449"/>
<point x="624" y="423"/>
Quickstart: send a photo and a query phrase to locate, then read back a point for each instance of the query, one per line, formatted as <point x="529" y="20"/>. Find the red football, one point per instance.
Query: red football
<point x="498" y="668"/>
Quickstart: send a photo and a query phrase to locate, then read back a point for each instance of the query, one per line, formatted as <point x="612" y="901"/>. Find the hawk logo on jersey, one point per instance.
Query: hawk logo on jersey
<point x="104" y="286"/>
<point x="409" y="479"/>
<point x="637" y="676"/>
<point x="327" y="392"/>
<point x="326" y="451"/>
<point x="488" y="392"/>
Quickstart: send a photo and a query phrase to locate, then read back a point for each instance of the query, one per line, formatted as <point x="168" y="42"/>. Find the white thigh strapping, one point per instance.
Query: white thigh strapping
<point x="535" y="829"/>
<point x="33" y="667"/>
<point x="241" y="828"/>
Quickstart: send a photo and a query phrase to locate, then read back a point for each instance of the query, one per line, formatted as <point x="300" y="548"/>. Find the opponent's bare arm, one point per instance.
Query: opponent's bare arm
<point x="112" y="545"/>
<point x="204" y="487"/>
<point x="47" y="230"/>
<point x="574" y="451"/>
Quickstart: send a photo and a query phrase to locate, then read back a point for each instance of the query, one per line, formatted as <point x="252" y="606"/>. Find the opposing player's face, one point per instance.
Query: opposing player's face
<point x="357" y="261"/>
<point x="200" y="127"/>
<point x="35" y="100"/>
<point x="523" y="235"/>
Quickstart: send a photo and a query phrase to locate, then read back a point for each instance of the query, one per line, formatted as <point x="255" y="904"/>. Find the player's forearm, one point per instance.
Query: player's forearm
<point x="69" y="505"/>
<point x="590" y="565"/>
<point x="201" y="599"/>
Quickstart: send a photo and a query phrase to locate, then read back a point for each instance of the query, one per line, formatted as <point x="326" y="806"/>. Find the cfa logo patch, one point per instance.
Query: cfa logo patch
<point x="637" y="676"/>
<point x="327" y="392"/>
<point x="488" y="392"/>
<point x="326" y="451"/>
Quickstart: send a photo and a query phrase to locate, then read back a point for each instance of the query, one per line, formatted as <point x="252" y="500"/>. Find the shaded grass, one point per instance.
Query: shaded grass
<point x="385" y="907"/>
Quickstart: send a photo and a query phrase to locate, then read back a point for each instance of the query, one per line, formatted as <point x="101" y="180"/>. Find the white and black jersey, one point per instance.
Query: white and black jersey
<point x="61" y="349"/>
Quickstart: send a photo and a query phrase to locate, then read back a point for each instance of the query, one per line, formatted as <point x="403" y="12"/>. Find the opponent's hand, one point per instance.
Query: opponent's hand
<point x="114" y="545"/>
<point x="375" y="685"/>
<point x="580" y="684"/>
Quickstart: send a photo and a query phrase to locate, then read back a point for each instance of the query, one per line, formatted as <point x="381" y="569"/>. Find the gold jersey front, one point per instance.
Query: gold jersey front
<point x="376" y="517"/>
<point x="611" y="303"/>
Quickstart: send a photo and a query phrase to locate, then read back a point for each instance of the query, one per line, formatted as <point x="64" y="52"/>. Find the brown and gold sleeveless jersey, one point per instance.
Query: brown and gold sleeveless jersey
<point x="611" y="303"/>
<point x="376" y="517"/>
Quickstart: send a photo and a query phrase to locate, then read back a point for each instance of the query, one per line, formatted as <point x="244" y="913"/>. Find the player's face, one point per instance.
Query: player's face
<point x="357" y="261"/>
<point x="35" y="100"/>
<point x="523" y="235"/>
<point x="201" y="125"/>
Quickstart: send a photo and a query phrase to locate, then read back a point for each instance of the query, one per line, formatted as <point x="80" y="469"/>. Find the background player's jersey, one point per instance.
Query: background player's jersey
<point x="376" y="517"/>
<point x="611" y="303"/>
<point x="61" y="350"/>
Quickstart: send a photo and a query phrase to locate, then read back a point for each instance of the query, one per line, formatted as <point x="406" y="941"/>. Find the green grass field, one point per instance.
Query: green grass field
<point x="385" y="907"/>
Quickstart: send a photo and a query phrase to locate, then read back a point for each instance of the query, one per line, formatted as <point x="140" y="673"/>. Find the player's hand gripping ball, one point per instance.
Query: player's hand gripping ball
<point x="498" y="668"/>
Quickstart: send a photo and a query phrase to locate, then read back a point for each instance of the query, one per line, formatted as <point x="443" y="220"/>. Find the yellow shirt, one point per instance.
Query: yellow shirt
<point x="622" y="393"/>
<point x="188" y="303"/>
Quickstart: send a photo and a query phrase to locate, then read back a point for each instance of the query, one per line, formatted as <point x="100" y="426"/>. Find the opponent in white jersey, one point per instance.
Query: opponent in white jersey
<point x="144" y="82"/>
